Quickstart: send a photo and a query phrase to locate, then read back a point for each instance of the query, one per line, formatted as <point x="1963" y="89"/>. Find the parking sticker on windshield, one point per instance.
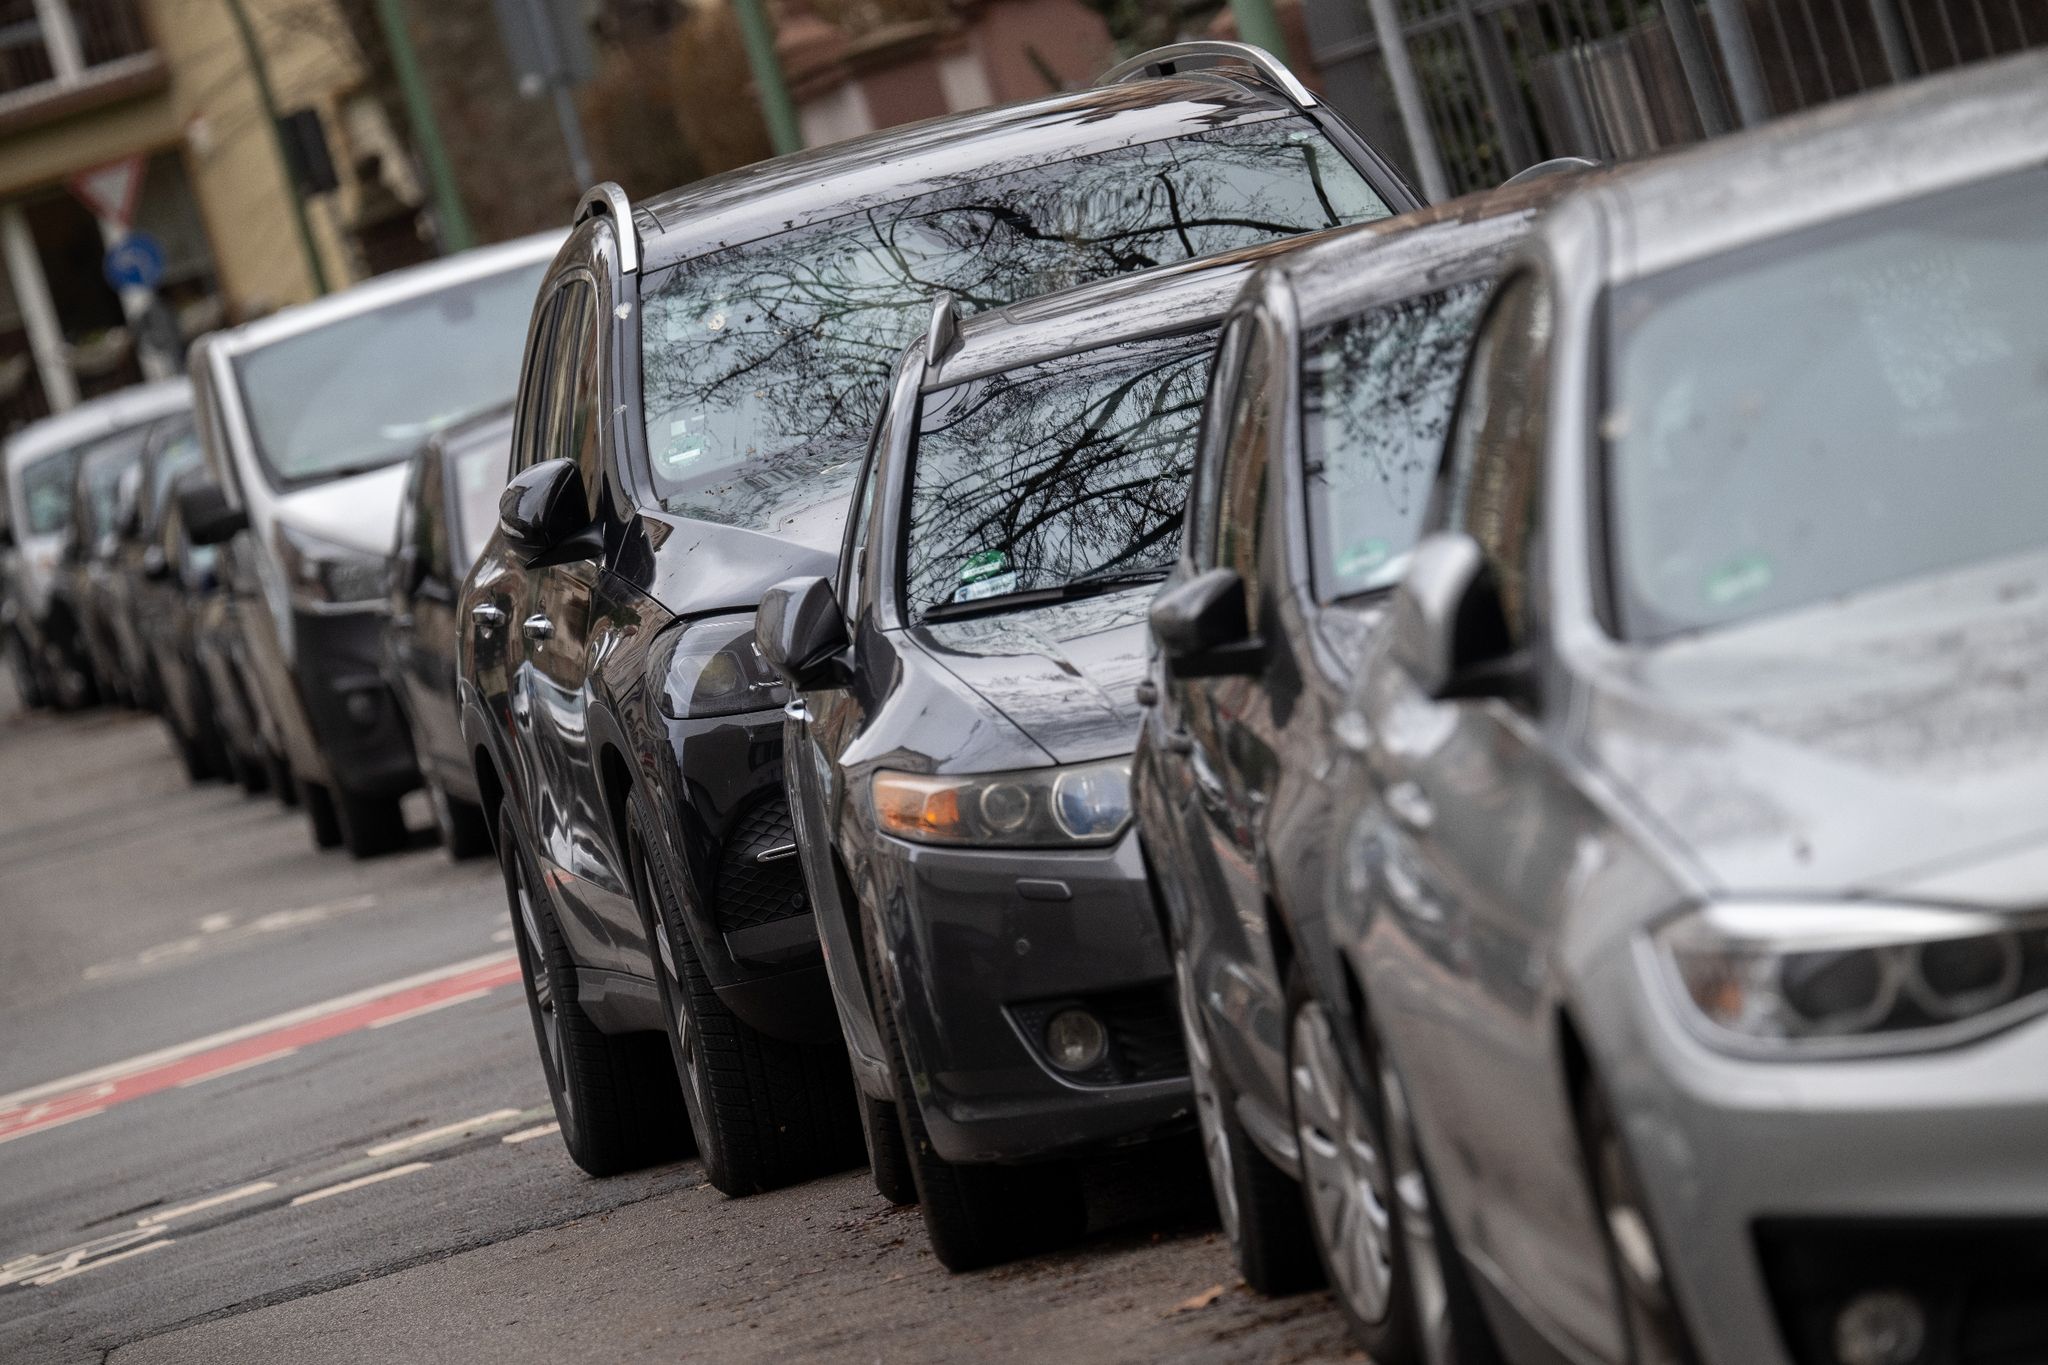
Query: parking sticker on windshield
<point x="1362" y="558"/>
<point x="985" y="574"/>
<point x="1745" y="577"/>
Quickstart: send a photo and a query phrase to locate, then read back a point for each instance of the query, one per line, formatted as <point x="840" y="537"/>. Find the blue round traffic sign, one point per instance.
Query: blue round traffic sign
<point x="135" y="262"/>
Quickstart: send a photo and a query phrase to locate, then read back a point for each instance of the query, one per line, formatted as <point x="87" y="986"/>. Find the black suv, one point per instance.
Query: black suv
<point x="702" y="376"/>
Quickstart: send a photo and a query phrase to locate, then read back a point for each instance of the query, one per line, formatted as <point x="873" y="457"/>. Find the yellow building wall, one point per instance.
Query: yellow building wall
<point x="211" y="110"/>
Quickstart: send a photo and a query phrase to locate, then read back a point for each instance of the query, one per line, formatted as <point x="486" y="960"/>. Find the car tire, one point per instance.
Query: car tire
<point x="975" y="1215"/>
<point x="465" y="832"/>
<point x="881" y="1124"/>
<point x="1260" y="1206"/>
<point x="249" y="774"/>
<point x="198" y="764"/>
<point x="1450" y="1325"/>
<point x="1347" y="1182"/>
<point x="371" y="826"/>
<point x="766" y="1112"/>
<point x="615" y="1095"/>
<point x="321" y="814"/>
<point x="1655" y="1332"/>
<point x="284" y="786"/>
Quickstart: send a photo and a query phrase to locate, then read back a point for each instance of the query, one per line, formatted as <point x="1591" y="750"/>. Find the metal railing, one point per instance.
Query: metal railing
<point x="63" y="43"/>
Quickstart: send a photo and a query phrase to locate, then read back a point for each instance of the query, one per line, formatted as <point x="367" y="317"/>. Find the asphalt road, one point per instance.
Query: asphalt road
<point x="261" y="1103"/>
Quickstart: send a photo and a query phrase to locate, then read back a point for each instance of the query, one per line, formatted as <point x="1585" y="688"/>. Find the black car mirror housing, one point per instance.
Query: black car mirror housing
<point x="1447" y="628"/>
<point x="156" y="565"/>
<point x="210" y="519"/>
<point x="801" y="631"/>
<point x="1203" y="627"/>
<point x="544" y="514"/>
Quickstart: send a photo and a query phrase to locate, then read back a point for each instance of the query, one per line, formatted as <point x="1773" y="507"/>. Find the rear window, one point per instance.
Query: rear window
<point x="765" y="366"/>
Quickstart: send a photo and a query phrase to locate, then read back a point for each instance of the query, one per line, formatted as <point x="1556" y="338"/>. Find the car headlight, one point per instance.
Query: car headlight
<point x="714" y="668"/>
<point x="1086" y="803"/>
<point x="1801" y="979"/>
<point x="322" y="573"/>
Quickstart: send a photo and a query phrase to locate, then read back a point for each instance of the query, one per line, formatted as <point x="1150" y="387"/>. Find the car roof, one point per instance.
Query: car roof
<point x="1169" y="298"/>
<point x="97" y="417"/>
<point x="383" y="291"/>
<point x="786" y="192"/>
<point x="1350" y="270"/>
<point x="1917" y="139"/>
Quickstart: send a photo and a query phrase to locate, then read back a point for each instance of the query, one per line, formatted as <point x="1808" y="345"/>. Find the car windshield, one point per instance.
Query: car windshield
<point x="1377" y="391"/>
<point x="1055" y="479"/>
<point x="367" y="390"/>
<point x="765" y="366"/>
<point x="480" y="473"/>
<point x="46" y="491"/>
<point x="1830" y="412"/>
<point x="100" y="468"/>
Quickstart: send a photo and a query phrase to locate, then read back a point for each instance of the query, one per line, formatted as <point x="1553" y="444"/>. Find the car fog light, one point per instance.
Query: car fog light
<point x="1076" y="1040"/>
<point x="1883" y="1327"/>
<point x="362" y="708"/>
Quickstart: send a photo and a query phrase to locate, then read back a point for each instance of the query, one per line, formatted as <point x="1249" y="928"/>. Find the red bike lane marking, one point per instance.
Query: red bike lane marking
<point x="51" y="1106"/>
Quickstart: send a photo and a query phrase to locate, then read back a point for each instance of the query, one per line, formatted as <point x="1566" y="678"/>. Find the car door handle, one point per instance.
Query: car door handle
<point x="537" y="627"/>
<point x="487" y="616"/>
<point x="1411" y="806"/>
<point x="795" y="709"/>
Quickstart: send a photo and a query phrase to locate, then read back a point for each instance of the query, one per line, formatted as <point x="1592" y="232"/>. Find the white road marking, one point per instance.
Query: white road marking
<point x="213" y="924"/>
<point x="503" y="935"/>
<point x="431" y="1006"/>
<point x="162" y="1216"/>
<point x="37" y="1265"/>
<point x="218" y="927"/>
<point x="345" y="1186"/>
<point x="529" y="1134"/>
<point x="277" y="1056"/>
<point x="80" y="1269"/>
<point x="477" y="1124"/>
<point x="115" y="1070"/>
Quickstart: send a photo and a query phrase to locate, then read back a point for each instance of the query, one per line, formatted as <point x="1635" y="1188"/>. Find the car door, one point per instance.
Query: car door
<point x="555" y="632"/>
<point x="1482" y="833"/>
<point x="429" y="672"/>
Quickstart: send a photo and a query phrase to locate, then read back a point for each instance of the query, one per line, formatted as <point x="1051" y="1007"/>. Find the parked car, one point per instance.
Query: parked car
<point x="171" y="578"/>
<point x="959" y="749"/>
<point x="307" y="417"/>
<point x="102" y="487"/>
<point x="217" y="647"/>
<point x="449" y="509"/>
<point x="701" y="379"/>
<point x="171" y="447"/>
<point x="40" y="462"/>
<point x="1689" y="896"/>
<point x="1326" y="422"/>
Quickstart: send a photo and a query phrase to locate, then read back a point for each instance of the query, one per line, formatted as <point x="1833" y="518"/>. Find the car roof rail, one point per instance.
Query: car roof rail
<point x="609" y="200"/>
<point x="1200" y="55"/>
<point x="942" y="333"/>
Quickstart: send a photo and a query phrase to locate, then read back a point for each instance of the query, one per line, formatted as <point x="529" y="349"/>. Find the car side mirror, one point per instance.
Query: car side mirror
<point x="1447" y="629"/>
<point x="545" y="516"/>
<point x="1556" y="165"/>
<point x="1203" y="627"/>
<point x="6" y="536"/>
<point x="801" y="632"/>
<point x="210" y="519"/>
<point x="156" y="565"/>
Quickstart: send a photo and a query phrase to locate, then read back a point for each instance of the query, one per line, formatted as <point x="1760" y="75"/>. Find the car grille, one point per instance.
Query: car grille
<point x="751" y="892"/>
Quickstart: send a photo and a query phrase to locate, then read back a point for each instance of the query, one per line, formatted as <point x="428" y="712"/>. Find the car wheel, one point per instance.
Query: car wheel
<point x="1450" y="1326"/>
<point x="975" y="1215"/>
<point x="1259" y="1204"/>
<point x="249" y="774"/>
<point x="371" y="826"/>
<point x="1656" y="1335"/>
<point x="614" y="1096"/>
<point x="283" y="785"/>
<point x="321" y="814"/>
<point x="192" y="754"/>
<point x="765" y="1111"/>
<point x="464" y="831"/>
<point x="888" y="1158"/>
<point x="1347" y="1183"/>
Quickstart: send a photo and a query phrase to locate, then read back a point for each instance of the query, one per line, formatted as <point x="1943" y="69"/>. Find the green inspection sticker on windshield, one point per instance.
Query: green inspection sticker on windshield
<point x="1745" y="577"/>
<point x="985" y="574"/>
<point x="1361" y="559"/>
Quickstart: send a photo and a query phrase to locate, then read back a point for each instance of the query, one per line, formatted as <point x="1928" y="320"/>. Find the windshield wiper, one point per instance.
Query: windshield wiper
<point x="1088" y="585"/>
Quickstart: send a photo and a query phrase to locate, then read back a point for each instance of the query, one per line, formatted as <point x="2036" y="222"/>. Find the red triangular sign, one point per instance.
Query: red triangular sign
<point x="110" y="191"/>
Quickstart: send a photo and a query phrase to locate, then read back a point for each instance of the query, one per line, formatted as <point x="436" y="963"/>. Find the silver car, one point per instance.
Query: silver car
<point x="1691" y="899"/>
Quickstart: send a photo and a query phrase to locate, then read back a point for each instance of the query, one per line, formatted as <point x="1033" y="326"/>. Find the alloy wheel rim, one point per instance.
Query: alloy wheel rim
<point x="1427" y="1291"/>
<point x="539" y="987"/>
<point x="1343" y="1170"/>
<point x="1208" y="1100"/>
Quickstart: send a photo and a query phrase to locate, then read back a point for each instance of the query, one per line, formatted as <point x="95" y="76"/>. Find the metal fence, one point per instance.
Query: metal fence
<point x="1474" y="90"/>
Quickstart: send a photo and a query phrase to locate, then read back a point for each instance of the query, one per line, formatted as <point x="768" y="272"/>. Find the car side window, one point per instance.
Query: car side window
<point x="1242" y="482"/>
<point x="1210" y="442"/>
<point x="853" y="551"/>
<point x="431" y="526"/>
<point x="571" y="427"/>
<point x="1495" y="462"/>
<point x="528" y="439"/>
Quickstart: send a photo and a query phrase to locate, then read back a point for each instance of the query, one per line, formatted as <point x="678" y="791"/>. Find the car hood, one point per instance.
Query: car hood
<point x="1065" y="674"/>
<point x="1891" y="744"/>
<point x="359" y="512"/>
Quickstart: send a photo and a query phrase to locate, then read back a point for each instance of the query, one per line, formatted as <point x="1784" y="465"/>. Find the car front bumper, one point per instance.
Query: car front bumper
<point x="1783" y="1192"/>
<point x="345" y="707"/>
<point x="984" y="947"/>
